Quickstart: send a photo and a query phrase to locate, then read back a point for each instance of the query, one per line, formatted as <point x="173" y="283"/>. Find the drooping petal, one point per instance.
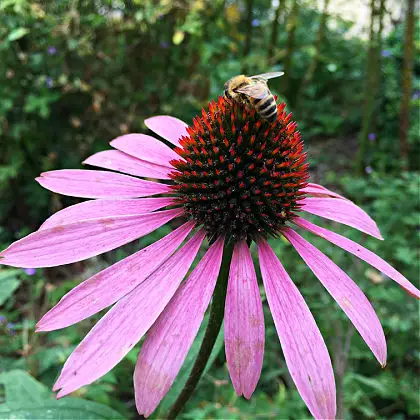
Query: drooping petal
<point x="146" y="148"/>
<point x="304" y="349"/>
<point x="125" y="324"/>
<point x="345" y="292"/>
<point x="98" y="184"/>
<point x="168" y="341"/>
<point x="244" y="323"/>
<point x="111" y="284"/>
<point x="170" y="128"/>
<point x="94" y="209"/>
<point x="360" y="252"/>
<point x="80" y="240"/>
<point x="319" y="191"/>
<point x="121" y="162"/>
<point x="342" y="211"/>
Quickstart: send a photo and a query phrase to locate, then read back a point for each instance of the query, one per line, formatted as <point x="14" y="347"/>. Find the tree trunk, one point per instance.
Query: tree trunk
<point x="372" y="81"/>
<point x="407" y="75"/>
<point x="291" y="28"/>
<point x="315" y="59"/>
<point x="248" y="32"/>
<point x="377" y="52"/>
<point x="274" y="32"/>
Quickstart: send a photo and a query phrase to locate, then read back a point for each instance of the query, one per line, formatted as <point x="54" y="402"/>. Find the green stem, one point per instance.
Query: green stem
<point x="212" y="331"/>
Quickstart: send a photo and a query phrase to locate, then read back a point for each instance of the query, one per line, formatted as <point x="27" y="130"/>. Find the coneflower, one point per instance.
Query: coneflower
<point x="233" y="179"/>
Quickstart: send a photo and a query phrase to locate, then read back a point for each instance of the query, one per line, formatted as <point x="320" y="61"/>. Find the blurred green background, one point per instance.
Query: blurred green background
<point x="75" y="74"/>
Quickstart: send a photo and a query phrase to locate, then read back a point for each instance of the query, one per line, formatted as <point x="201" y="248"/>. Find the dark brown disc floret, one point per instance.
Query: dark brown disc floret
<point x="240" y="175"/>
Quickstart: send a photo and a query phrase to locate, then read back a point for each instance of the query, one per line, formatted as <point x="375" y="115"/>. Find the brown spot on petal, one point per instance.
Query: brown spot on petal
<point x="346" y="303"/>
<point x="254" y="321"/>
<point x="242" y="356"/>
<point x="58" y="229"/>
<point x="259" y="345"/>
<point x="322" y="399"/>
<point x="107" y="222"/>
<point x="156" y="380"/>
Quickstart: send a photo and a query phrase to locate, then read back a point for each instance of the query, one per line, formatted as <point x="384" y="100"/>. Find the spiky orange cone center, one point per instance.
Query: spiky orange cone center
<point x="240" y="176"/>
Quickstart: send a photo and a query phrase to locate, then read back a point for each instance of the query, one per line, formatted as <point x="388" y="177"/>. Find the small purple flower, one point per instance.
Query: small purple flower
<point x="416" y="95"/>
<point x="369" y="169"/>
<point x="2" y="319"/>
<point x="163" y="44"/>
<point x="49" y="82"/>
<point x="30" y="271"/>
<point x="386" y="53"/>
<point x="255" y="22"/>
<point x="372" y="136"/>
<point x="12" y="328"/>
<point x="52" y="50"/>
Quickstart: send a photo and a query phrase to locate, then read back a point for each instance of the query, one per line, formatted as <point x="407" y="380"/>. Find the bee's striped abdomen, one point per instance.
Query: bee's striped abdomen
<point x="266" y="107"/>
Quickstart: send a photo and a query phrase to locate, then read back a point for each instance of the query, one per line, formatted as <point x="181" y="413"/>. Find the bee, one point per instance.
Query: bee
<point x="253" y="91"/>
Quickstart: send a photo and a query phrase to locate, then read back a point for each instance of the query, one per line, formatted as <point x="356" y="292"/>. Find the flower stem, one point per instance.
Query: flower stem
<point x="210" y="336"/>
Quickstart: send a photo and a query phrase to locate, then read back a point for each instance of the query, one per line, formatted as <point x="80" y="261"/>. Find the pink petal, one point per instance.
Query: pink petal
<point x="98" y="184"/>
<point x="111" y="284"/>
<point x="94" y="209"/>
<point x="168" y="341"/>
<point x="121" y="162"/>
<point x="170" y="128"/>
<point x="320" y="191"/>
<point x="360" y="252"/>
<point x="244" y="323"/>
<point x="303" y="346"/>
<point x="125" y="324"/>
<point x="80" y="240"/>
<point x="345" y="292"/>
<point x="146" y="148"/>
<point x="342" y="211"/>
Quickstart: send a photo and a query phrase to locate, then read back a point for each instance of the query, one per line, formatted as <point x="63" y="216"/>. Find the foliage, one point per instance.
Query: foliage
<point x="25" y="398"/>
<point x="74" y="75"/>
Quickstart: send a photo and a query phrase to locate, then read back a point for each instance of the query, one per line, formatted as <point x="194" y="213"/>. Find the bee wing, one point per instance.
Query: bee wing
<point x="257" y="90"/>
<point x="267" y="76"/>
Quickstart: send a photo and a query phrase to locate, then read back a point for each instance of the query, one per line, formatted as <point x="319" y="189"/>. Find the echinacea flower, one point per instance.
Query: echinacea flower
<point x="232" y="178"/>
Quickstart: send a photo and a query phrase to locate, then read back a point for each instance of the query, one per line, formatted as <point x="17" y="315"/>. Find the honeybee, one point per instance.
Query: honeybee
<point x="253" y="91"/>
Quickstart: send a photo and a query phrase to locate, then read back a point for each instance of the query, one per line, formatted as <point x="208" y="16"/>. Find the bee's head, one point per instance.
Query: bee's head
<point x="232" y="84"/>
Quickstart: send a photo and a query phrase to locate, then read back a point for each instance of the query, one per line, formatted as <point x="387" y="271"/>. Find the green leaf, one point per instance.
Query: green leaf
<point x="21" y="388"/>
<point x="28" y="399"/>
<point x="9" y="282"/>
<point x="8" y="172"/>
<point x="17" y="34"/>
<point x="68" y="408"/>
<point x="375" y="384"/>
<point x="49" y="357"/>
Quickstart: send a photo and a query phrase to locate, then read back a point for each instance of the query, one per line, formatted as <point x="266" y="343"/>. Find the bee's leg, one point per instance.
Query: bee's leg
<point x="248" y="104"/>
